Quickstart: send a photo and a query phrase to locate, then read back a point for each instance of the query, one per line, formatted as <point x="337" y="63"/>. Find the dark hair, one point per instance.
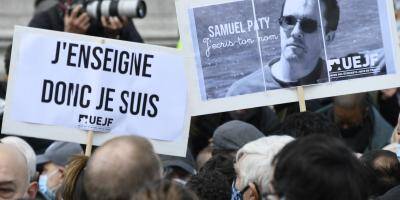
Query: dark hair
<point x="210" y="185"/>
<point x="224" y="152"/>
<point x="384" y="168"/>
<point x="164" y="190"/>
<point x="332" y="14"/>
<point x="308" y="123"/>
<point x="351" y="101"/>
<point x="319" y="167"/>
<point x="222" y="164"/>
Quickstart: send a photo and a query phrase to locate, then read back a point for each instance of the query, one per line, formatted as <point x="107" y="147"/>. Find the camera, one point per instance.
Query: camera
<point x="119" y="8"/>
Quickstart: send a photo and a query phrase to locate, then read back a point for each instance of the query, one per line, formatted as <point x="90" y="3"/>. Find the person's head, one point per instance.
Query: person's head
<point x="318" y="167"/>
<point x="350" y="111"/>
<point x="28" y="152"/>
<point x="210" y="185"/>
<point x="253" y="166"/>
<point x="164" y="190"/>
<point x="222" y="164"/>
<point x="72" y="186"/>
<point x="385" y="169"/>
<point x="120" y="167"/>
<point x="232" y="135"/>
<point x="301" y="32"/>
<point x="30" y="157"/>
<point x="307" y="123"/>
<point x="53" y="163"/>
<point x="14" y="174"/>
<point x="178" y="168"/>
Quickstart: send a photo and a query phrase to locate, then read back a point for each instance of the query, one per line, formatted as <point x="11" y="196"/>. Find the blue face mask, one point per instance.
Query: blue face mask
<point x="237" y="194"/>
<point x="47" y="193"/>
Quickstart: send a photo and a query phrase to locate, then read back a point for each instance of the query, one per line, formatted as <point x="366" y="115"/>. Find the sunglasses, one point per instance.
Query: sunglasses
<point x="306" y="25"/>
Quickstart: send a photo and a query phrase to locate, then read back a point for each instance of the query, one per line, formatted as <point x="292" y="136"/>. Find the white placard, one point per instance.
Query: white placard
<point x="234" y="50"/>
<point x="61" y="84"/>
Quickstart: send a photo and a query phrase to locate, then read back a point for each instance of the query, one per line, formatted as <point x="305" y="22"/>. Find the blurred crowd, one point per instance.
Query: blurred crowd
<point x="308" y="156"/>
<point x="342" y="148"/>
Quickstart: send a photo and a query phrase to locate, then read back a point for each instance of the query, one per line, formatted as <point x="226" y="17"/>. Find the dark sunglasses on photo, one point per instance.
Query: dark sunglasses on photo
<point x="306" y="25"/>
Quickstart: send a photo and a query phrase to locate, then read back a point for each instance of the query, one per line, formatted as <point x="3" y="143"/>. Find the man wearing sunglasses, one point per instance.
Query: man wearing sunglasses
<point x="302" y="59"/>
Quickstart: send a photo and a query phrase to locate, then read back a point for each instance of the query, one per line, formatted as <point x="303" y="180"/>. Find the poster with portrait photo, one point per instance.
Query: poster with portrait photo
<point x="249" y="53"/>
<point x="240" y="54"/>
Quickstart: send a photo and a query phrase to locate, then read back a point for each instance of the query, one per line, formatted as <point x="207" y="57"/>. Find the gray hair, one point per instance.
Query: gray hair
<point x="254" y="160"/>
<point x="26" y="150"/>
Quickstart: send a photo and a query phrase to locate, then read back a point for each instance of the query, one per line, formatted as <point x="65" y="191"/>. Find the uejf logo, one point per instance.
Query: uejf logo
<point x="95" y="120"/>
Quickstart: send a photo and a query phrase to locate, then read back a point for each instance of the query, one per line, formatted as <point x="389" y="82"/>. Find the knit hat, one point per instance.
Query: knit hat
<point x="234" y="134"/>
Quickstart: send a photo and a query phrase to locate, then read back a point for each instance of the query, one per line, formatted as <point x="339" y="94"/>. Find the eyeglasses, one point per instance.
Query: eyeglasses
<point x="306" y="25"/>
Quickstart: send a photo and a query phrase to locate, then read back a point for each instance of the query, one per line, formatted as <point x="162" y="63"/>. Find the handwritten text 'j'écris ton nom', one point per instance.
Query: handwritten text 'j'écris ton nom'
<point x="232" y="28"/>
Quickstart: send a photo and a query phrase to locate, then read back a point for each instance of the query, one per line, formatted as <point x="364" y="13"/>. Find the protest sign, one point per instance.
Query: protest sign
<point x="249" y="53"/>
<point x="61" y="82"/>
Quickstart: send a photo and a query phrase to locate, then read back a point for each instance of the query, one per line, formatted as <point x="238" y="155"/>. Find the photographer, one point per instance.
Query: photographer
<point x="76" y="20"/>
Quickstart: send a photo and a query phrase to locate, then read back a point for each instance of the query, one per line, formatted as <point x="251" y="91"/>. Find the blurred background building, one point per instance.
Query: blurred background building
<point x="158" y="27"/>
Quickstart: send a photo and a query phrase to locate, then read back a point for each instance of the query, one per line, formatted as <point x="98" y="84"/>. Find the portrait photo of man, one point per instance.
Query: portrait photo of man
<point x="303" y="40"/>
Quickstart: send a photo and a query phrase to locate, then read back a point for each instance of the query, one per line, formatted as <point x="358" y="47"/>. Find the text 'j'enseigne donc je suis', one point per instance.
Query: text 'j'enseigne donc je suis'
<point x="109" y="60"/>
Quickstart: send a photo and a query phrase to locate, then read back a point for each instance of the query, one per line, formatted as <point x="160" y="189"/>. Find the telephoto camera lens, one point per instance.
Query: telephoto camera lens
<point x="120" y="8"/>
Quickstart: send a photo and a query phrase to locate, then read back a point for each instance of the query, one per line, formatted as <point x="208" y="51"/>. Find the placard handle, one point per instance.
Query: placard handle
<point x="302" y="101"/>
<point x="89" y="143"/>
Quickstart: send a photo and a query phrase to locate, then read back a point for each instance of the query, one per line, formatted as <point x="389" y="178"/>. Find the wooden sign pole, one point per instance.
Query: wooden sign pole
<point x="302" y="101"/>
<point x="89" y="143"/>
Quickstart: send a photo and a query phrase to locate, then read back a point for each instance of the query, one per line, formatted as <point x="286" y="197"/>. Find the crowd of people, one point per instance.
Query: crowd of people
<point x="342" y="148"/>
<point x="309" y="157"/>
